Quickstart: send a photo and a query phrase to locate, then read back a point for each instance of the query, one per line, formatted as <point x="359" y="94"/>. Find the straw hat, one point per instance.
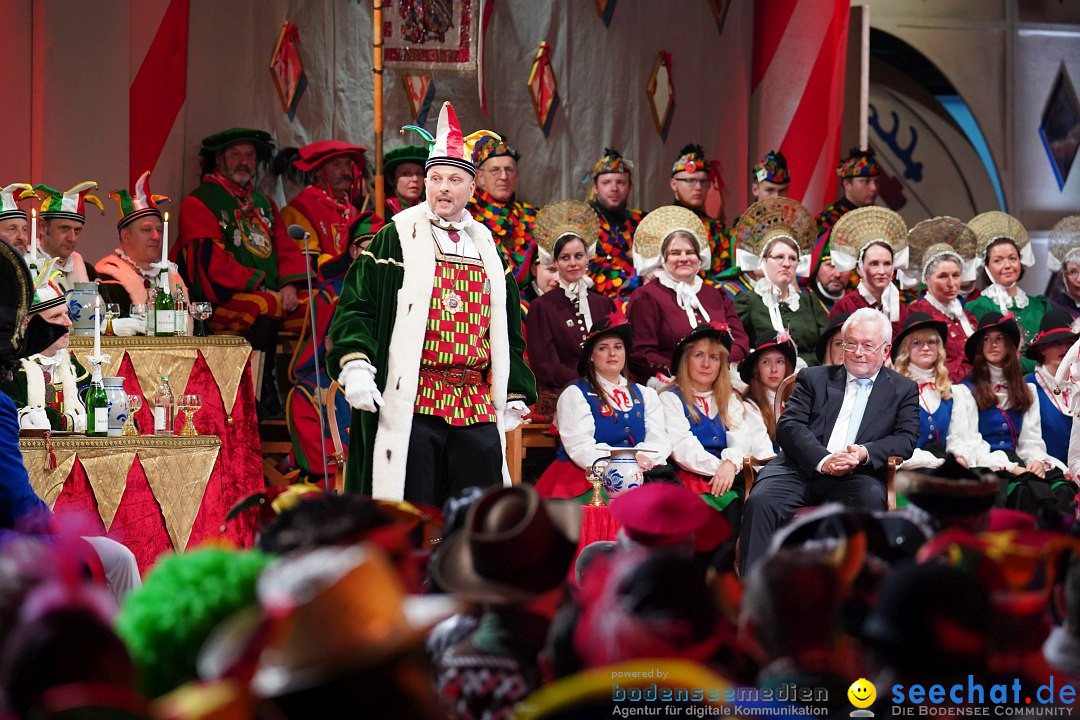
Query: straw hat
<point x="930" y="239"/>
<point x="565" y="217"/>
<point x="857" y="230"/>
<point x="655" y="228"/>
<point x="772" y="219"/>
<point x="990" y="227"/>
<point x="1064" y="241"/>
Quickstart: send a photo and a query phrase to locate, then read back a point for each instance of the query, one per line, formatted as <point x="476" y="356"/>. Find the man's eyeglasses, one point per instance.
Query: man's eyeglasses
<point x="694" y="181"/>
<point x="509" y="172"/>
<point x="864" y="348"/>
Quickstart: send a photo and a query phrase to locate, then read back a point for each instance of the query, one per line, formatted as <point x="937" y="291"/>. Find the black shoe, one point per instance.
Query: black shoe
<point x="269" y="406"/>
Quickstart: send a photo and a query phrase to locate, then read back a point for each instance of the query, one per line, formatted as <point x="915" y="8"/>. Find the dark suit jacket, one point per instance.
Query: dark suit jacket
<point x="890" y="424"/>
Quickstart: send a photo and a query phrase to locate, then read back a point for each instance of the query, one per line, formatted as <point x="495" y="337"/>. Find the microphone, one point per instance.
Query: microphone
<point x="298" y="233"/>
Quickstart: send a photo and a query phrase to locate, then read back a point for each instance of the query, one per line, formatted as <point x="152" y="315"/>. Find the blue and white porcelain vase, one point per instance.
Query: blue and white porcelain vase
<point x="622" y="472"/>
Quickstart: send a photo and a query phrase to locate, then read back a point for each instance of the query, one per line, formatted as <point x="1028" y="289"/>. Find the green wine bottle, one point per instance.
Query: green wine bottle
<point x="164" y="310"/>
<point x="97" y="406"/>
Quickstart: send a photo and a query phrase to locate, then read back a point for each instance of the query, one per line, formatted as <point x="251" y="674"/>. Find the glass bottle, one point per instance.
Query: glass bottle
<point x="151" y="310"/>
<point x="181" y="311"/>
<point x="164" y="408"/>
<point x="164" y="310"/>
<point x="97" y="406"/>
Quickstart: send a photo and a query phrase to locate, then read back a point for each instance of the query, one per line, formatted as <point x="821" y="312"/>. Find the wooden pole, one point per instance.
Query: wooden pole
<point x="380" y="190"/>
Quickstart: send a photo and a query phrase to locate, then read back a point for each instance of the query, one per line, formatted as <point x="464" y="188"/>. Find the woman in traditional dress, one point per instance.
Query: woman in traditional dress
<point x="777" y="235"/>
<point x="1009" y="417"/>
<point x="1004" y="250"/>
<point x="942" y="255"/>
<point x="1056" y="400"/>
<point x="948" y="416"/>
<point x="603" y="409"/>
<point x="672" y="242"/>
<point x="559" y="320"/>
<point x="873" y="241"/>
<point x="768" y="363"/>
<point x="709" y="427"/>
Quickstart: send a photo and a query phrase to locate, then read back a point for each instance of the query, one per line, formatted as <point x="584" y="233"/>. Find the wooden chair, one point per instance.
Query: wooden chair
<point x="518" y="442"/>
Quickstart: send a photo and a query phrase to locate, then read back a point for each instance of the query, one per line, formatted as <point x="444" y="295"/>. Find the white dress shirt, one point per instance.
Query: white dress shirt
<point x="577" y="428"/>
<point x="745" y="436"/>
<point x="838" y="439"/>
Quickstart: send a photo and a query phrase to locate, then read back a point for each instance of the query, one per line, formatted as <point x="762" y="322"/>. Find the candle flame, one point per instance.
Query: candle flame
<point x="166" y="216"/>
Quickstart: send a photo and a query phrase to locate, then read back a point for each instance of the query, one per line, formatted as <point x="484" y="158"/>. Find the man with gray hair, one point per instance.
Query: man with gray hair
<point x="835" y="435"/>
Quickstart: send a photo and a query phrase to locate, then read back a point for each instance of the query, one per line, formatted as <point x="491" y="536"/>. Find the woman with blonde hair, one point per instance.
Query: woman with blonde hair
<point x="708" y="425"/>
<point x="948" y="416"/>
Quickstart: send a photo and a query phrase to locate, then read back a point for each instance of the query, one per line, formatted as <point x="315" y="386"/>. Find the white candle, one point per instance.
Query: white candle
<point x="165" y="245"/>
<point x="33" y="236"/>
<point x="97" y="330"/>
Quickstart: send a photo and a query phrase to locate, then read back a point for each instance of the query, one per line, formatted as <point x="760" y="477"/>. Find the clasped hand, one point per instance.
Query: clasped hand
<point x="844" y="461"/>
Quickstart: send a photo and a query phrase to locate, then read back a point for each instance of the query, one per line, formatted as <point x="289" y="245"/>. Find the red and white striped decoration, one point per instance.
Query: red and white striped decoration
<point x="797" y="85"/>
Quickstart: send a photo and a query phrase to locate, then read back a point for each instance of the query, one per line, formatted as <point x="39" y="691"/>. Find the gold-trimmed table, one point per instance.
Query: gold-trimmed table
<point x="147" y="491"/>
<point x="218" y="369"/>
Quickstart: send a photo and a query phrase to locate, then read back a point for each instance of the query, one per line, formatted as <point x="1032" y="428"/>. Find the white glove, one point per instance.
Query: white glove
<point x="34" y="418"/>
<point x="357" y="379"/>
<point x="659" y="382"/>
<point x="512" y="415"/>
<point x="77" y="422"/>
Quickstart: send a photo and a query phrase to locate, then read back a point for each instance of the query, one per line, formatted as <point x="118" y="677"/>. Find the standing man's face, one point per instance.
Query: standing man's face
<point x="861" y="191"/>
<point x="15" y="232"/>
<point x="237" y="162"/>
<point x="498" y="177"/>
<point x="448" y="190"/>
<point x="59" y="236"/>
<point x="612" y="189"/>
<point x="768" y="189"/>
<point x="338" y="174"/>
<point x="691" y="188"/>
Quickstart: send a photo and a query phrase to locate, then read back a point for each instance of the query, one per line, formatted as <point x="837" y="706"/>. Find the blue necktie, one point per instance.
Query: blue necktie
<point x="861" y="394"/>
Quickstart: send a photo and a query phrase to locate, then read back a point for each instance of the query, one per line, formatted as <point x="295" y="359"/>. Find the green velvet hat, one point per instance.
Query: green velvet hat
<point x="408" y="153"/>
<point x="264" y="144"/>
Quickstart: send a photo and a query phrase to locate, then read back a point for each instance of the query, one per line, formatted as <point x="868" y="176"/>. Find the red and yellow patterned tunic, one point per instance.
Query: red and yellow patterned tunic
<point x="612" y="269"/>
<point x="457" y="336"/>
<point x="511" y="224"/>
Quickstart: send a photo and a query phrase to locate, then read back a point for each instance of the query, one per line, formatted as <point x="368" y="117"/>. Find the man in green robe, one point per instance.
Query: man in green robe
<point x="427" y="344"/>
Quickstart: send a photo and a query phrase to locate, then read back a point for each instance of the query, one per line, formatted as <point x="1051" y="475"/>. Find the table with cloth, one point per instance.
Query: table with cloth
<point x="150" y="515"/>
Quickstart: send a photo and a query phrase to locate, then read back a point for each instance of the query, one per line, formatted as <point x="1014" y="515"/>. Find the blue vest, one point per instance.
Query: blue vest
<point x="1000" y="428"/>
<point x="710" y="432"/>
<point x="618" y="429"/>
<point x="934" y="428"/>
<point x="1056" y="425"/>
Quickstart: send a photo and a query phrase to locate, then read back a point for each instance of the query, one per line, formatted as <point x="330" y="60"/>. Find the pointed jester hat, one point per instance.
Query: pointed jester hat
<point x="70" y="204"/>
<point x="137" y="205"/>
<point x="10" y="197"/>
<point x="448" y="146"/>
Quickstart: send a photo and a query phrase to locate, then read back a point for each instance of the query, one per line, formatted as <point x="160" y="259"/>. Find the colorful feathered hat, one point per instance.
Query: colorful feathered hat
<point x="859" y="163"/>
<point x="141" y="204"/>
<point x="772" y="169"/>
<point x="490" y="147"/>
<point x="448" y="146"/>
<point x="10" y="197"/>
<point x="612" y="162"/>
<point x="71" y="204"/>
<point x="691" y="160"/>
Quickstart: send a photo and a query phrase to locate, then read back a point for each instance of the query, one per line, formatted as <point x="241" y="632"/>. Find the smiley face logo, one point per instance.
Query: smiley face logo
<point x="862" y="693"/>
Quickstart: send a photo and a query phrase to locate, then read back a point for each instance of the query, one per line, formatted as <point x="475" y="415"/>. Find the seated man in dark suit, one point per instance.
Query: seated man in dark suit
<point x="835" y="435"/>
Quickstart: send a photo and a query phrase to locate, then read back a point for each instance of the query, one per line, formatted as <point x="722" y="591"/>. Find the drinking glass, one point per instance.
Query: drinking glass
<point x="134" y="405"/>
<point x="138" y="312"/>
<point x="189" y="404"/>
<point x="112" y="310"/>
<point x="201" y="311"/>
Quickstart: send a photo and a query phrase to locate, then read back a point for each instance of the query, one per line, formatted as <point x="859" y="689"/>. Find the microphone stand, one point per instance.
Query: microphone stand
<point x="298" y="233"/>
